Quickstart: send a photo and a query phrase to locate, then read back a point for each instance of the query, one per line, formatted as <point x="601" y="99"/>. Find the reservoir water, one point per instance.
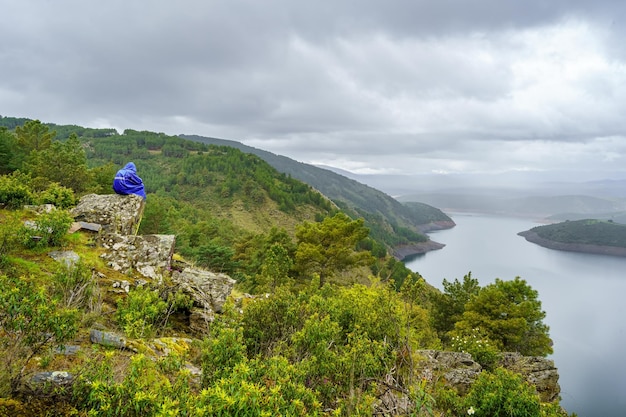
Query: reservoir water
<point x="583" y="296"/>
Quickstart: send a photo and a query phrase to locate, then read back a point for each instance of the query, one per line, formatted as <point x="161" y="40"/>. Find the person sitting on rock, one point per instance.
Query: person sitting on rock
<point x="128" y="182"/>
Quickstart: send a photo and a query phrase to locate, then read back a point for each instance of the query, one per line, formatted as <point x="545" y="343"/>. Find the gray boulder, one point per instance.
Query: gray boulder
<point x="458" y="369"/>
<point x="68" y="258"/>
<point x="116" y="213"/>
<point x="52" y="377"/>
<point x="107" y="339"/>
<point x="150" y="255"/>
<point x="208" y="290"/>
<point x="538" y="371"/>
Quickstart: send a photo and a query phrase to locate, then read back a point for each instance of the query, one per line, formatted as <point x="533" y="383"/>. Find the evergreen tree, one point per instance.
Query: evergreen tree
<point x="275" y="268"/>
<point x="448" y="307"/>
<point x="328" y="247"/>
<point x="34" y="136"/>
<point x="7" y="151"/>
<point x="509" y="314"/>
<point x="61" y="162"/>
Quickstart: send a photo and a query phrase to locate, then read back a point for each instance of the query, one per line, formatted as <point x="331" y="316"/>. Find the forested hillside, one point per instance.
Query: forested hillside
<point x="390" y="222"/>
<point x="387" y="218"/>
<point x="329" y="326"/>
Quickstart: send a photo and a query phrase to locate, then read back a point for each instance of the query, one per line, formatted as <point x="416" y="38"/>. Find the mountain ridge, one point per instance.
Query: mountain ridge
<point x="354" y="197"/>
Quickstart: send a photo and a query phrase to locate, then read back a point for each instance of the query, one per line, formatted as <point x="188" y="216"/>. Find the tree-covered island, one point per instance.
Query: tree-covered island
<point x="590" y="236"/>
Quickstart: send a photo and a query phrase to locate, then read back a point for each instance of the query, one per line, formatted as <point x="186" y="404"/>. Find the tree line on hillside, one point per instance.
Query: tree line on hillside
<point x="388" y="220"/>
<point x="190" y="196"/>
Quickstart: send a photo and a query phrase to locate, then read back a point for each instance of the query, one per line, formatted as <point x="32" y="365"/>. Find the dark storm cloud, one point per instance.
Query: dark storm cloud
<point x="370" y="85"/>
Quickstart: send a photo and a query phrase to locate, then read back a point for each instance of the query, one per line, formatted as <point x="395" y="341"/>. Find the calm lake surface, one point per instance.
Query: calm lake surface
<point x="583" y="296"/>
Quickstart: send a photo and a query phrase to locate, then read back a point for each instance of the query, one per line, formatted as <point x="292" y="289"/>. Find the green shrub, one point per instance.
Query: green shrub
<point x="554" y="410"/>
<point x="220" y="353"/>
<point x="76" y="287"/>
<point x="142" y="392"/>
<point x="15" y="190"/>
<point x="269" y="322"/>
<point x="10" y="234"/>
<point x="50" y="229"/>
<point x="61" y="197"/>
<point x="139" y="312"/>
<point x="502" y="393"/>
<point x="476" y="344"/>
<point x="145" y="311"/>
<point x="271" y="387"/>
<point x="31" y="322"/>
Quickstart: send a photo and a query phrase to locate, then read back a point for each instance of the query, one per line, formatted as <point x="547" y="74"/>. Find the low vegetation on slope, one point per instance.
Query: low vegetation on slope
<point x="298" y="346"/>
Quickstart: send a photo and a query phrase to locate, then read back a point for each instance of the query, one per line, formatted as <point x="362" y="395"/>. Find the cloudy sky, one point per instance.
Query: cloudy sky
<point x="393" y="87"/>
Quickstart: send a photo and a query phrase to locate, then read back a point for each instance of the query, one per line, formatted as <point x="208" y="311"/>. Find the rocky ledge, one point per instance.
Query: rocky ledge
<point x="533" y="237"/>
<point x="458" y="370"/>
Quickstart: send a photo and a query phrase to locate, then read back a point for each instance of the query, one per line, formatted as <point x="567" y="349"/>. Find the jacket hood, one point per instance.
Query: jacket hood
<point x="131" y="167"/>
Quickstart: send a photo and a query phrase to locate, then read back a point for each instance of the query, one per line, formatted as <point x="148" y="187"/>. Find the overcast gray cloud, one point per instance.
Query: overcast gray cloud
<point x="369" y="86"/>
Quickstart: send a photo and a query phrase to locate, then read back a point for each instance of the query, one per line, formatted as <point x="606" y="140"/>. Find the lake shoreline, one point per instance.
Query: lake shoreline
<point x="403" y="252"/>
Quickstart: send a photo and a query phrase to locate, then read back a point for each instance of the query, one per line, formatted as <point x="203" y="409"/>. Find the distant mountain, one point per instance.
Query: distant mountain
<point x="562" y="207"/>
<point x="617" y="217"/>
<point x="507" y="184"/>
<point x="382" y="212"/>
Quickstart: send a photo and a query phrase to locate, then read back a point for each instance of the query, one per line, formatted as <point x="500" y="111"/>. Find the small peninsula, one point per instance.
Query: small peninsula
<point x="603" y="237"/>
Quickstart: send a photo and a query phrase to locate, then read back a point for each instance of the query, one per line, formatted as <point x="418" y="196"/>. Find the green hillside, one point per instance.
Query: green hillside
<point x="319" y="323"/>
<point x="385" y="216"/>
<point x="427" y="214"/>
<point x="390" y="222"/>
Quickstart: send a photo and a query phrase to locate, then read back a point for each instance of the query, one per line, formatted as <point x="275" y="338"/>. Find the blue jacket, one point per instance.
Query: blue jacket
<point x="128" y="182"/>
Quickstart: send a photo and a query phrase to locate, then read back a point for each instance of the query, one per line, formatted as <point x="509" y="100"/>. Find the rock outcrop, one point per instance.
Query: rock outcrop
<point x="150" y="255"/>
<point x="459" y="371"/>
<point x="538" y="371"/>
<point x="208" y="290"/>
<point x="116" y="213"/>
<point x="116" y="219"/>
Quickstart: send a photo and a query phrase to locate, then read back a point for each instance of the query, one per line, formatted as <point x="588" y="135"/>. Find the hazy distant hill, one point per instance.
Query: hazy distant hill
<point x="563" y="207"/>
<point x="345" y="192"/>
<point x="506" y="184"/>
<point x="617" y="217"/>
